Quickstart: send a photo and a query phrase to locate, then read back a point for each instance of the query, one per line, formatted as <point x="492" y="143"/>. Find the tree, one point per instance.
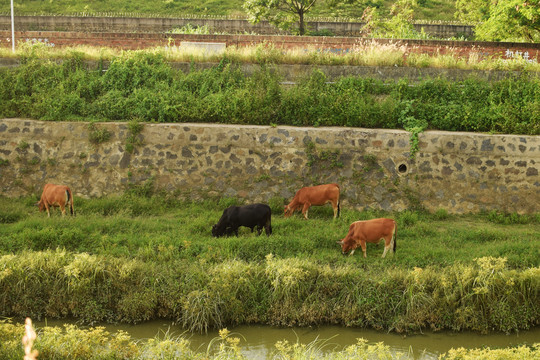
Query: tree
<point x="282" y="13"/>
<point x="472" y="10"/>
<point x="502" y="20"/>
<point x="399" y="25"/>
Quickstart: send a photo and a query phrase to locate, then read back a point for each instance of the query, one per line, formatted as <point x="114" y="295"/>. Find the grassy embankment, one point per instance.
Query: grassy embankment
<point x="366" y="53"/>
<point x="428" y="9"/>
<point x="132" y="259"/>
<point x="135" y="258"/>
<point x="95" y="343"/>
<point x="143" y="86"/>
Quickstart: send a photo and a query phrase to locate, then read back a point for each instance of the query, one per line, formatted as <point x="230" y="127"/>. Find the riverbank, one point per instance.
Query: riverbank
<point x="134" y="259"/>
<point x="56" y="342"/>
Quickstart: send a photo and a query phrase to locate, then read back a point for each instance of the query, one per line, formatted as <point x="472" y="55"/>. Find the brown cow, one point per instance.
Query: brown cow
<point x="56" y="195"/>
<point x="372" y="231"/>
<point x="314" y="195"/>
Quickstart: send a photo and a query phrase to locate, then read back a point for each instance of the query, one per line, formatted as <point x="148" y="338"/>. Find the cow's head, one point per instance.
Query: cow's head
<point x="346" y="245"/>
<point x="41" y="205"/>
<point x="216" y="231"/>
<point x="221" y="230"/>
<point x="288" y="211"/>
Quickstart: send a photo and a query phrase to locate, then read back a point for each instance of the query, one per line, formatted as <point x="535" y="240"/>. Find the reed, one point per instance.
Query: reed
<point x="96" y="343"/>
<point x="284" y="292"/>
<point x="365" y="53"/>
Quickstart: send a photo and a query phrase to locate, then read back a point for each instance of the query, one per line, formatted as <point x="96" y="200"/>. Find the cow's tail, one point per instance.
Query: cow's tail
<point x="69" y="196"/>
<point x="395" y="237"/>
<point x="338" y="202"/>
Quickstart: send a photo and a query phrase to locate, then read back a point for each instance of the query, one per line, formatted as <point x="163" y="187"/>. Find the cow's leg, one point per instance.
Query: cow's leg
<point x="335" y="207"/>
<point x="268" y="228"/>
<point x="63" y="210"/>
<point x="352" y="252"/>
<point x="363" y="245"/>
<point x="387" y="245"/>
<point x="305" y="210"/>
<point x="48" y="210"/>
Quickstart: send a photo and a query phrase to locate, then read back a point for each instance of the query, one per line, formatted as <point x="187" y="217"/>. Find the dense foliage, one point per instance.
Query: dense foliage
<point x="429" y="9"/>
<point x="143" y="86"/>
<point x="510" y="20"/>
<point x="131" y="259"/>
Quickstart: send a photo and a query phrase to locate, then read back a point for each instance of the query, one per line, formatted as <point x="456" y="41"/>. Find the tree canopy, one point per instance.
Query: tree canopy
<point x="282" y="13"/>
<point x="502" y="20"/>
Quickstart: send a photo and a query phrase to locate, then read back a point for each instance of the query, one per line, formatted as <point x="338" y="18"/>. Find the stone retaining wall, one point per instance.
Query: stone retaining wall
<point x="460" y="172"/>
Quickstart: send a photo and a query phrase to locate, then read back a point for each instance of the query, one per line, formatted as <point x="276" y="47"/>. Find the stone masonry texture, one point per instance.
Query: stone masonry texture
<point x="459" y="172"/>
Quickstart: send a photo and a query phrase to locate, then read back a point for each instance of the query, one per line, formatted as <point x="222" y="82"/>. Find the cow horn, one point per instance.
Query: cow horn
<point x="340" y="242"/>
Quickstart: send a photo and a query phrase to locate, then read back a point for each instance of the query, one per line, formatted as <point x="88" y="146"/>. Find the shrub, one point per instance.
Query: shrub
<point x="441" y="214"/>
<point x="408" y="218"/>
<point x="143" y="85"/>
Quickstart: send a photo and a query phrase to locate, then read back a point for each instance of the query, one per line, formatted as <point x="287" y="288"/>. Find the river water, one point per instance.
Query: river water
<point x="257" y="342"/>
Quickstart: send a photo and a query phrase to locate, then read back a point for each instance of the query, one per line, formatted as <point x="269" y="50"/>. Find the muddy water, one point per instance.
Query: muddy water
<point x="257" y="342"/>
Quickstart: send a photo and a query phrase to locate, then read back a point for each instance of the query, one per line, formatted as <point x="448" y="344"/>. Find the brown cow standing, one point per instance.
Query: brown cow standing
<point x="314" y="195"/>
<point x="56" y="195"/>
<point x="372" y="231"/>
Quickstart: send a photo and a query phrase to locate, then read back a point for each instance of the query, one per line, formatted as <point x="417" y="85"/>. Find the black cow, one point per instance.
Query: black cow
<point x="233" y="217"/>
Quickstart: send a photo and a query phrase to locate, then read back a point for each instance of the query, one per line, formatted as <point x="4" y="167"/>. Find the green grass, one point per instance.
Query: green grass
<point x="131" y="259"/>
<point x="428" y="9"/>
<point x="154" y="228"/>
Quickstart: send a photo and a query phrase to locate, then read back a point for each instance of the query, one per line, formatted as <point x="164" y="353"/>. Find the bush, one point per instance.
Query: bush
<point x="143" y="85"/>
<point x="441" y="214"/>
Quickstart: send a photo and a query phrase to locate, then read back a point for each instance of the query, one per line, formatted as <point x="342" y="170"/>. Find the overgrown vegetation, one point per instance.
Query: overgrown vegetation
<point x="96" y="343"/>
<point x="367" y="52"/>
<point x="133" y="139"/>
<point x="134" y="258"/>
<point x="429" y="10"/>
<point x="98" y="135"/>
<point x="143" y="86"/>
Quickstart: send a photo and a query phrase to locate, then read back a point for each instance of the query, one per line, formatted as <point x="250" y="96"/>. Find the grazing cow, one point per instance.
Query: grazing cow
<point x="233" y="217"/>
<point x="56" y="195"/>
<point x="372" y="231"/>
<point x="314" y="195"/>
